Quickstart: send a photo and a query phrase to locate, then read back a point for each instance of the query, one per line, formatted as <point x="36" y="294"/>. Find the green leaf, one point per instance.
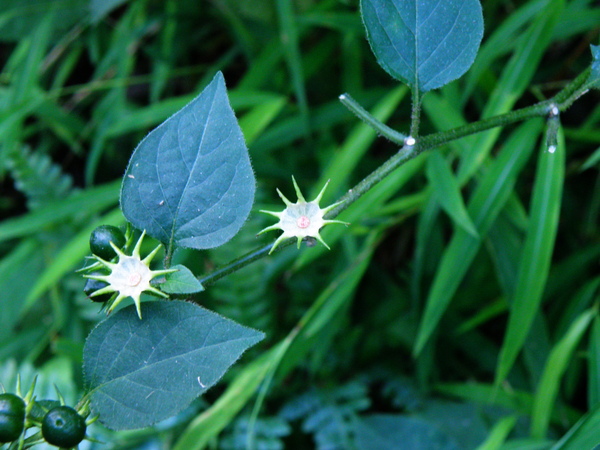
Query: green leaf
<point x="424" y="43"/>
<point x="189" y="182"/>
<point x="181" y="282"/>
<point x="386" y="431"/>
<point x="23" y="16"/>
<point x="537" y="254"/>
<point x="92" y="200"/>
<point x="584" y="434"/>
<point x="208" y="425"/>
<point x="142" y="371"/>
<point x="67" y="258"/>
<point x="594" y="366"/>
<point x="484" y="206"/>
<point x="101" y="8"/>
<point x="499" y="433"/>
<point x="513" y="82"/>
<point x="594" y="79"/>
<point x="447" y="191"/>
<point x="556" y="365"/>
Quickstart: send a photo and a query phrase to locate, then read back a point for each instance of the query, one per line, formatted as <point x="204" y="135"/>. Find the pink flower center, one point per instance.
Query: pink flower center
<point x="303" y="222"/>
<point x="134" y="279"/>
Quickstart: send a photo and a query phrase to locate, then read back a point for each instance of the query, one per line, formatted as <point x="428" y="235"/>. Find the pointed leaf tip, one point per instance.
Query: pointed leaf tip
<point x="424" y="43"/>
<point x="190" y="181"/>
<point x="127" y="361"/>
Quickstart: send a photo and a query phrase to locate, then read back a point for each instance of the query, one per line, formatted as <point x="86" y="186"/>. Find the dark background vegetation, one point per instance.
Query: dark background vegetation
<point x="82" y="82"/>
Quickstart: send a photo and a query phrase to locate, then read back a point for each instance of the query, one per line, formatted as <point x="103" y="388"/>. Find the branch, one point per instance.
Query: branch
<point x="411" y="149"/>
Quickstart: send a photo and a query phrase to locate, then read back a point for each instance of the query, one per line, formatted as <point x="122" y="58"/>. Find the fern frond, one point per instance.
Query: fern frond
<point x="37" y="177"/>
<point x="403" y="394"/>
<point x="328" y="414"/>
<point x="267" y="434"/>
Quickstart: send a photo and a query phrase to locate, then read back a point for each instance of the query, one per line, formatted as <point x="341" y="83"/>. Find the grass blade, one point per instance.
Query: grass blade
<point x="92" y="200"/>
<point x="594" y="366"/>
<point x="556" y="365"/>
<point x="290" y="40"/>
<point x="513" y="82"/>
<point x="584" y="434"/>
<point x="447" y="191"/>
<point x="537" y="254"/>
<point x="212" y="421"/>
<point x="495" y="46"/>
<point x="68" y="258"/>
<point x="499" y="433"/>
<point x="488" y="199"/>
<point x="258" y="118"/>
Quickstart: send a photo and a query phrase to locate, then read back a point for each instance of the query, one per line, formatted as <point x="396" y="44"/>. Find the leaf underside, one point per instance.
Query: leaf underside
<point x="189" y="182"/>
<point x="142" y="371"/>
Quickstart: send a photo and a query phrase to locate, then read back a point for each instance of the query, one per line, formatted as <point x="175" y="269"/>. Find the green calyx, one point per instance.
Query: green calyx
<point x="302" y="219"/>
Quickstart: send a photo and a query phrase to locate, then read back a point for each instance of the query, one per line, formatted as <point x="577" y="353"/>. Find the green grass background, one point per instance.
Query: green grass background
<point x="461" y="303"/>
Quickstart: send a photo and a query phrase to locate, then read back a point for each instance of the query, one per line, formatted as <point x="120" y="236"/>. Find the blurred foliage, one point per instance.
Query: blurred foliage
<point x="83" y="81"/>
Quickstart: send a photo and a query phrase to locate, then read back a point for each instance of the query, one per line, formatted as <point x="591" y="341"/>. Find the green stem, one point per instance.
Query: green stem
<point x="562" y="100"/>
<point x="238" y="263"/>
<point x="443" y="137"/>
<point x="415" y="115"/>
<point x="405" y="154"/>
<point x="573" y="90"/>
<point x="366" y="117"/>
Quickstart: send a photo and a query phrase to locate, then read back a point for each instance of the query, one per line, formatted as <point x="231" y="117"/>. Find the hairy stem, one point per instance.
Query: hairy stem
<point x="240" y="262"/>
<point x="374" y="123"/>
<point x="415" y="115"/>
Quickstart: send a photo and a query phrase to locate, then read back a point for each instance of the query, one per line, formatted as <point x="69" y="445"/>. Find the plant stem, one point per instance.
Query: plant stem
<point x="238" y="263"/>
<point x="415" y="115"/>
<point x="366" y="117"/>
<point x="405" y="154"/>
<point x="562" y="100"/>
<point x="443" y="137"/>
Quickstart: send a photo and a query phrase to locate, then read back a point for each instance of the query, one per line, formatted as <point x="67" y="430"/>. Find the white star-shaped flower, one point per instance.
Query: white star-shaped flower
<point x="129" y="276"/>
<point x="301" y="219"/>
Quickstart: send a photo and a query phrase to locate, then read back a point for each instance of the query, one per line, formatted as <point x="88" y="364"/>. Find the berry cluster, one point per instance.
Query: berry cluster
<point x="58" y="424"/>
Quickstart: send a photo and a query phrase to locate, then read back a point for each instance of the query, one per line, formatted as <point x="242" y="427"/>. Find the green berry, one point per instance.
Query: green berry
<point x="92" y="286"/>
<point x="63" y="427"/>
<point x="101" y="238"/>
<point x="12" y="417"/>
<point x="40" y="408"/>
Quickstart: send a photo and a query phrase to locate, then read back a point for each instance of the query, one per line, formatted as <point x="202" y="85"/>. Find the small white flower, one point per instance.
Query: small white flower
<point x="129" y="276"/>
<point x="302" y="219"/>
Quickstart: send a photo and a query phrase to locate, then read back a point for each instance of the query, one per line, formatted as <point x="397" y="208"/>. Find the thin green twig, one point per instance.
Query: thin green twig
<point x="370" y="120"/>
